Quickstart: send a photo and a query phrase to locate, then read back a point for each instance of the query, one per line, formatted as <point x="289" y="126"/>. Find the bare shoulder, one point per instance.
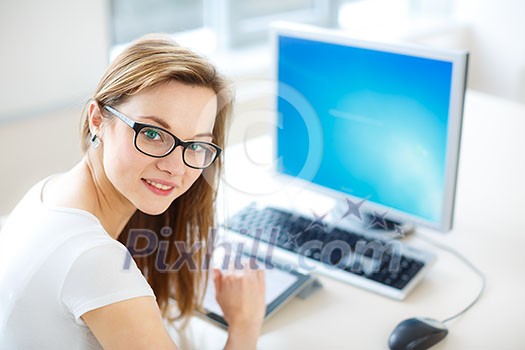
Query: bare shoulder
<point x="130" y="324"/>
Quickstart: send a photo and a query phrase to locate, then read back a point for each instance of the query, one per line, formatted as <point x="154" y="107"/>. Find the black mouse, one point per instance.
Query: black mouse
<point x="417" y="334"/>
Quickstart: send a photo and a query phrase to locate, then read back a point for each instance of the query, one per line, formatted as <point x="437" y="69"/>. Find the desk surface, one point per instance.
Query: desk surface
<point x="489" y="229"/>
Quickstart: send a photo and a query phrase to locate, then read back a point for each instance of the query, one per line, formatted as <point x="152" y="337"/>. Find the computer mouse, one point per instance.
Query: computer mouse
<point x="417" y="334"/>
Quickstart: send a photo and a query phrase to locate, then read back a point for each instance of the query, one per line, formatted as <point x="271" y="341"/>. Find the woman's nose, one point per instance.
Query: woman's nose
<point x="173" y="163"/>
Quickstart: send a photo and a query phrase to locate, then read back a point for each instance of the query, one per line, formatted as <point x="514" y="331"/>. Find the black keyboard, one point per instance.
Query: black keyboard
<point x="381" y="261"/>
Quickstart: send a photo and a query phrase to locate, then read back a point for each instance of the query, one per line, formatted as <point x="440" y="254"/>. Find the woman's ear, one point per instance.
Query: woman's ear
<point x="94" y="117"/>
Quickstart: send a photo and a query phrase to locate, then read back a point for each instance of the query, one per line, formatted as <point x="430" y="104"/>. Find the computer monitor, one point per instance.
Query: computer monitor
<point x="372" y="121"/>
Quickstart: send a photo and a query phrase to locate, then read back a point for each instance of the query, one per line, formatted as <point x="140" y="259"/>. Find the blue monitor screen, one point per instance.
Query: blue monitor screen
<point x="382" y="118"/>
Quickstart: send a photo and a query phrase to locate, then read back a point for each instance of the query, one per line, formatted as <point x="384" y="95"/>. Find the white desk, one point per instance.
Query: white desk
<point x="489" y="229"/>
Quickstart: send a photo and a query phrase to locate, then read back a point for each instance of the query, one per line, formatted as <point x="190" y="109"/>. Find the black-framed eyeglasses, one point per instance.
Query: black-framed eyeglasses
<point x="158" y="143"/>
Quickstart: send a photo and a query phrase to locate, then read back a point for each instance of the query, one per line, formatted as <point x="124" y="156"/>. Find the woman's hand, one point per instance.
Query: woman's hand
<point x="240" y="295"/>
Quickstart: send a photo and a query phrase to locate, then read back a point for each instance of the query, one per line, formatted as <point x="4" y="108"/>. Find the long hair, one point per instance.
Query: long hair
<point x="152" y="60"/>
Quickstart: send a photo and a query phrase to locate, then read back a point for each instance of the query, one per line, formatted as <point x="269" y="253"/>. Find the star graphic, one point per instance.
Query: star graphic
<point x="354" y="208"/>
<point x="292" y="238"/>
<point x="378" y="219"/>
<point x="318" y="221"/>
<point x="399" y="231"/>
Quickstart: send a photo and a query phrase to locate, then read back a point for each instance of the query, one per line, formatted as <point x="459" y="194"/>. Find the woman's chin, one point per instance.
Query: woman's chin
<point x="153" y="210"/>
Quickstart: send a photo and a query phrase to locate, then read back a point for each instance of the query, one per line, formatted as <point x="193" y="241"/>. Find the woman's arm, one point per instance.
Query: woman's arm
<point x="130" y="324"/>
<point x="137" y="323"/>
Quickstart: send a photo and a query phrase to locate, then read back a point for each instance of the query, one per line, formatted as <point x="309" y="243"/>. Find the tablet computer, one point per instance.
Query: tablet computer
<point x="282" y="284"/>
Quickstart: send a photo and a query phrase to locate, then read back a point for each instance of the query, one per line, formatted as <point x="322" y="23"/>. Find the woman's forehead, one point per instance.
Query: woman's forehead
<point x="176" y="107"/>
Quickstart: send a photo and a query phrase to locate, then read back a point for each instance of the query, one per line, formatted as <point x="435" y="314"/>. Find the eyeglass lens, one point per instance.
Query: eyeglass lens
<point x="157" y="142"/>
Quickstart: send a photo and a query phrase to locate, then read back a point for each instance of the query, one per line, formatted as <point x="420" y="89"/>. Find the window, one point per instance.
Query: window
<point x="233" y="23"/>
<point x="134" y="18"/>
<point x="211" y="26"/>
<point x="247" y="21"/>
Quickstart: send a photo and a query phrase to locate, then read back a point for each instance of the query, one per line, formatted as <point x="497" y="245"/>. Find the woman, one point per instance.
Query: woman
<point x="67" y="278"/>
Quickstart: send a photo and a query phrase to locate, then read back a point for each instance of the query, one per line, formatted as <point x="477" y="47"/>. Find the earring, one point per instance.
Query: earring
<point x="95" y="142"/>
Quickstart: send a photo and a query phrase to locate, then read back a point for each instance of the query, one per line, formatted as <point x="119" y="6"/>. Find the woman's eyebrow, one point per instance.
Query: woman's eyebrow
<point x="167" y="127"/>
<point x="204" y="134"/>
<point x="158" y="121"/>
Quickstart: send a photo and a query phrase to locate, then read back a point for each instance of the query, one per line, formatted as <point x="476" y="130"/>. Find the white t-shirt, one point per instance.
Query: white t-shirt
<point x="55" y="265"/>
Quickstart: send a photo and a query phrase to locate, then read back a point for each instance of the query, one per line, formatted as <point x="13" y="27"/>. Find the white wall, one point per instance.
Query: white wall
<point x="52" y="53"/>
<point x="35" y="148"/>
<point x="497" y="44"/>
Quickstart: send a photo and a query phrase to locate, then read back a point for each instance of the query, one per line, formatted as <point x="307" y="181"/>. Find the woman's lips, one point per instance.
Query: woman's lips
<point x="159" y="187"/>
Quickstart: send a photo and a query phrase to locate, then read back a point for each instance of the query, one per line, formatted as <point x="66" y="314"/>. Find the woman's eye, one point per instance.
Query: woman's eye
<point x="195" y="147"/>
<point x="152" y="134"/>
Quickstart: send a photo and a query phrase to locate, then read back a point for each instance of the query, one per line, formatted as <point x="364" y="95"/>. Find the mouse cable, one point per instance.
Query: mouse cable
<point x="468" y="263"/>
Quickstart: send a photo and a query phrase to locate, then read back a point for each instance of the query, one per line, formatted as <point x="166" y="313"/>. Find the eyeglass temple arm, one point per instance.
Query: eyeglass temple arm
<point x="120" y="116"/>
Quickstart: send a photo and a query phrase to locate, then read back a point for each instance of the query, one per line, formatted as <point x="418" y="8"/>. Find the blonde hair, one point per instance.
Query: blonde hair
<point x="149" y="61"/>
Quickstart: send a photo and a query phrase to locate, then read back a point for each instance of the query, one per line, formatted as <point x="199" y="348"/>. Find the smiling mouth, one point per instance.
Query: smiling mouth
<point x="159" y="186"/>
